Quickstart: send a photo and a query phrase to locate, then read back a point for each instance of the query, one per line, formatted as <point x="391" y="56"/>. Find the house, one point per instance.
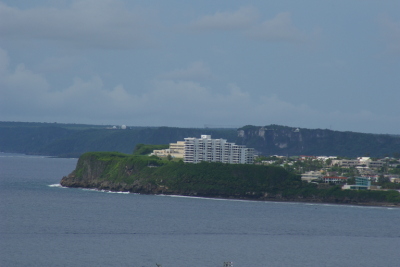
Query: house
<point x="311" y="176"/>
<point x="334" y="179"/>
<point x="394" y="180"/>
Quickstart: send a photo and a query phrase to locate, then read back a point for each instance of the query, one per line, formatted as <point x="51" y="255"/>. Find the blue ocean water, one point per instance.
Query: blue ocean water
<point x="42" y="224"/>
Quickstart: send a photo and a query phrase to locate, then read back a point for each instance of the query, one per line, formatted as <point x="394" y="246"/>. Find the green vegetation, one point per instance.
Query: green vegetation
<point x="289" y="141"/>
<point x="337" y="195"/>
<point x="72" y="140"/>
<point x="155" y="175"/>
<point x="142" y="149"/>
<point x="203" y="178"/>
<point x="395" y="170"/>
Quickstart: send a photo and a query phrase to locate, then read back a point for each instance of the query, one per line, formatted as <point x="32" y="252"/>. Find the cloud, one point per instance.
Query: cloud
<point x="4" y="61"/>
<point x="197" y="71"/>
<point x="54" y="64"/>
<point x="279" y="28"/>
<point x="28" y="96"/>
<point x="228" y="20"/>
<point x="391" y="32"/>
<point x="21" y="85"/>
<point x="105" y="24"/>
<point x="245" y="20"/>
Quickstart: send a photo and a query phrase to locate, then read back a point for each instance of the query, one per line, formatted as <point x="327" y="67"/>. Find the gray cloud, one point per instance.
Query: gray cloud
<point x="27" y="96"/>
<point x="279" y="28"/>
<point x="197" y="71"/>
<point x="391" y="32"/>
<point x="88" y="23"/>
<point x="257" y="80"/>
<point x="245" y="20"/>
<point x="185" y="102"/>
<point x="228" y="20"/>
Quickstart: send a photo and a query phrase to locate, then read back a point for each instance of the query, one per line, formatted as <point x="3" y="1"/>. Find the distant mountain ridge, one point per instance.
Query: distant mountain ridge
<point x="72" y="140"/>
<point x="284" y="140"/>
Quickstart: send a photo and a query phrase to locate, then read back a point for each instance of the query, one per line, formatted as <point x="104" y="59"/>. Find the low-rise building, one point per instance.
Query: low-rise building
<point x="311" y="176"/>
<point x="362" y="162"/>
<point x="175" y="150"/>
<point x="394" y="180"/>
<point x="345" y="163"/>
<point x="361" y="183"/>
<point x="334" y="179"/>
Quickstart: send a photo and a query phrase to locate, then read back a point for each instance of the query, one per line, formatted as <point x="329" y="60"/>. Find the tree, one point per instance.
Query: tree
<point x="169" y="157"/>
<point x="328" y="162"/>
<point x="382" y="179"/>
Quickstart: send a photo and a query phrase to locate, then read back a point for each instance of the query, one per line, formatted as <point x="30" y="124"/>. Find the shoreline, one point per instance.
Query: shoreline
<point x="271" y="199"/>
<point x="117" y="172"/>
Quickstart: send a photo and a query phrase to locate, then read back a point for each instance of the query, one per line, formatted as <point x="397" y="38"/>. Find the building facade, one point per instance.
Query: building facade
<point x="361" y="183"/>
<point x="311" y="176"/>
<point x="216" y="150"/>
<point x="175" y="150"/>
<point x="360" y="162"/>
<point x="334" y="179"/>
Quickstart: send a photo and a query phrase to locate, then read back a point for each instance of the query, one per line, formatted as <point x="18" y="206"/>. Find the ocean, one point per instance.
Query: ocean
<point x="43" y="224"/>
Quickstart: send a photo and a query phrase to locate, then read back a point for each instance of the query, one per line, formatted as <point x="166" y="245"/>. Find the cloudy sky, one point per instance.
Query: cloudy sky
<point x="312" y="64"/>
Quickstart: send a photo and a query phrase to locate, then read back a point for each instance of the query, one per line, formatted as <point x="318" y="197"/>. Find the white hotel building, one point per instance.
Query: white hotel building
<point x="216" y="150"/>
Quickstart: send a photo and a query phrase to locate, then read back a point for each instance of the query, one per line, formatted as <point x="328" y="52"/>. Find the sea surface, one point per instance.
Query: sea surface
<point x="43" y="224"/>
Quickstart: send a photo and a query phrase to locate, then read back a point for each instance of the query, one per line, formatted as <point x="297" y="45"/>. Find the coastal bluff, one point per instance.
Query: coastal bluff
<point x="151" y="175"/>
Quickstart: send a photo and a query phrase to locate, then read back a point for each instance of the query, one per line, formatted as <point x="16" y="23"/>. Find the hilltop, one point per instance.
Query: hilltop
<point x="292" y="141"/>
<point x="72" y="140"/>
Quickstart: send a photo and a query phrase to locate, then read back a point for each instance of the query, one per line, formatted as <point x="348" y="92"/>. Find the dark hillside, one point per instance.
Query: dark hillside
<point x="71" y="140"/>
<point x="282" y="140"/>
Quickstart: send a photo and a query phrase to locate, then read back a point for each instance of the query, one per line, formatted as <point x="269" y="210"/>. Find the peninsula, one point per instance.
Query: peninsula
<point x="152" y="175"/>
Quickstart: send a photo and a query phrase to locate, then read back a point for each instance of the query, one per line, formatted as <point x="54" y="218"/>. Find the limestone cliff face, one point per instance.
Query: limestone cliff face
<point x="282" y="140"/>
<point x="91" y="172"/>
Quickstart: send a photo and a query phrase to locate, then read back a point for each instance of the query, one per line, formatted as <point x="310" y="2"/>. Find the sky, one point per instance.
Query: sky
<point x="308" y="64"/>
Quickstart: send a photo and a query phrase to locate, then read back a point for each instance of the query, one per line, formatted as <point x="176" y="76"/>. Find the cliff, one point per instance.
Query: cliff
<point x="109" y="171"/>
<point x="72" y="140"/>
<point x="151" y="175"/>
<point x="283" y="140"/>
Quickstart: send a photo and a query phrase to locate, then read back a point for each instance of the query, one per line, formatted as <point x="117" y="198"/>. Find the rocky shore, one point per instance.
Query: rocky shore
<point x="142" y="187"/>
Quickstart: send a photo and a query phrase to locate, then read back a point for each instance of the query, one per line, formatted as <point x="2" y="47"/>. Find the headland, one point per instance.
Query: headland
<point x="151" y="175"/>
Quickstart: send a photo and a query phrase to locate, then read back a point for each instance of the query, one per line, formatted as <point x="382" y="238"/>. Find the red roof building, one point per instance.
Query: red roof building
<point x="334" y="179"/>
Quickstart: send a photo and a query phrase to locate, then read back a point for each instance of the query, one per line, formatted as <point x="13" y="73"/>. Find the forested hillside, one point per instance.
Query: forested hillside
<point x="152" y="175"/>
<point x="289" y="141"/>
<point x="71" y="140"/>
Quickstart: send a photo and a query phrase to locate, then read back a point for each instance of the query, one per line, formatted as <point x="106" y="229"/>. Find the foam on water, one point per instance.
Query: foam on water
<point x="105" y="191"/>
<point x="208" y="198"/>
<point x="115" y="192"/>
<point x="56" y="185"/>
